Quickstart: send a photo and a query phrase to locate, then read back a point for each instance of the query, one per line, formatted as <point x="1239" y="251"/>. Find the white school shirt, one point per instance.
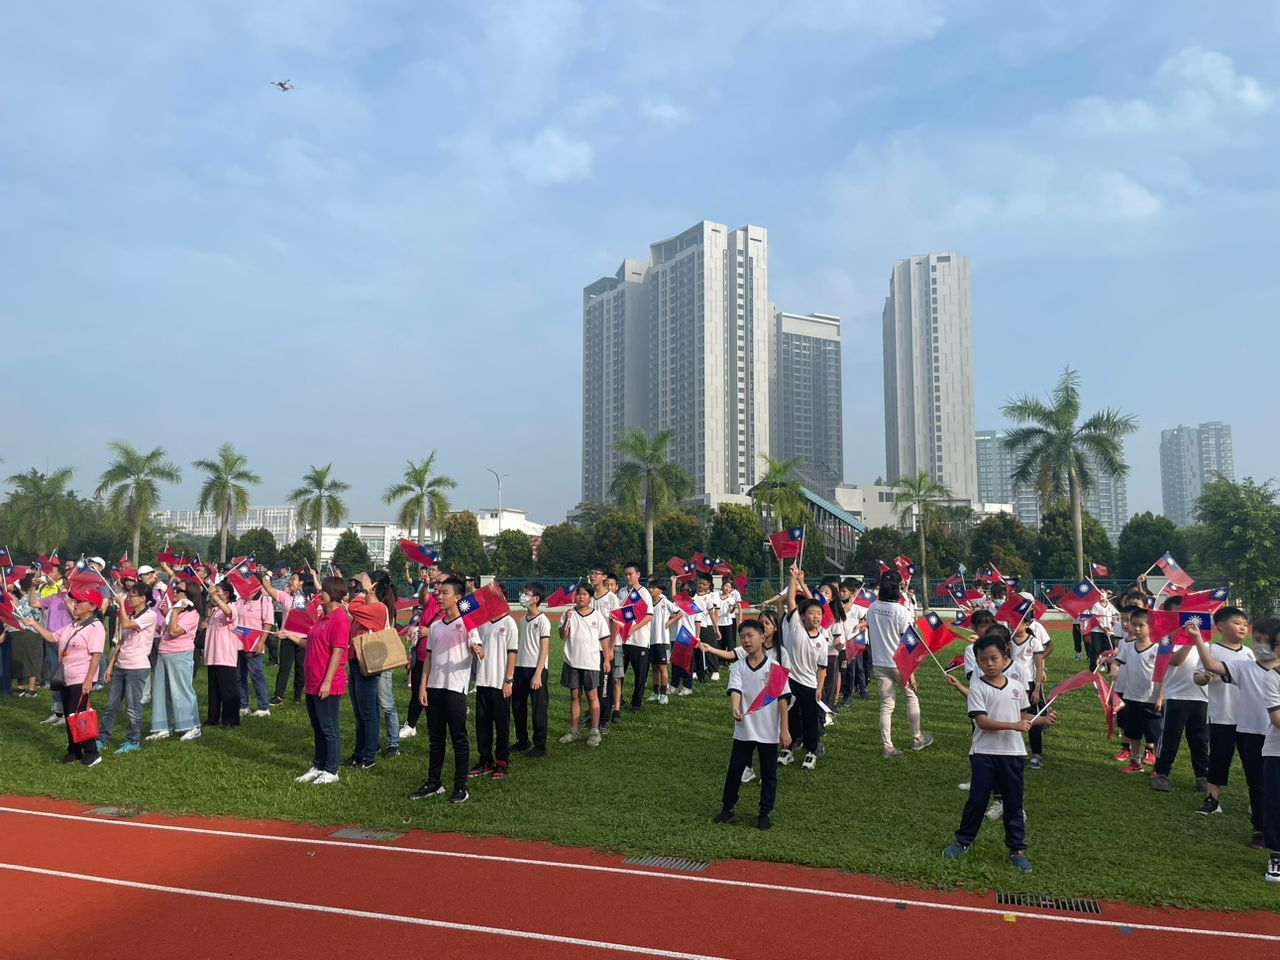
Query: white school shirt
<point x="450" y="647"/>
<point x="1024" y="657"/>
<point x="1179" y="682"/>
<point x="970" y="659"/>
<point x="887" y="621"/>
<point x="606" y="604"/>
<point x="1271" y="701"/>
<point x="662" y="611"/>
<point x="729" y="608"/>
<point x="1222" y="696"/>
<point x="801" y="653"/>
<point x="583" y="646"/>
<point x="1257" y="692"/>
<point x="710" y="605"/>
<point x="1002" y="705"/>
<point x="532" y="632"/>
<point x="763" y="725"/>
<point x="498" y="638"/>
<point x="1136" y="670"/>
<point x="835" y="638"/>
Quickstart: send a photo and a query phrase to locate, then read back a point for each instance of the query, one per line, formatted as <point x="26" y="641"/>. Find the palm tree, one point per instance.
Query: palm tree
<point x="425" y="500"/>
<point x="778" y="493"/>
<point x="39" y="508"/>
<point x="647" y="477"/>
<point x="1062" y="458"/>
<point x="131" y="482"/>
<point x="318" y="501"/>
<point x="919" y="498"/>
<point x="224" y="491"/>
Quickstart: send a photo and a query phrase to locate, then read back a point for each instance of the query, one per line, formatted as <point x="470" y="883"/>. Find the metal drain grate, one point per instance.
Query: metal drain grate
<point x="119" y="813"/>
<point x="356" y="833"/>
<point x="668" y="863"/>
<point x="1049" y="903"/>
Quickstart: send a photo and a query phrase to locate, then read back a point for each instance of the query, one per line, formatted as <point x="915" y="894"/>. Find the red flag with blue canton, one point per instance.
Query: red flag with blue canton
<point x="6" y="559"/>
<point x="249" y="637"/>
<point x="626" y="618"/>
<point x="1205" y="601"/>
<point x="682" y="649"/>
<point x="640" y="600"/>
<point x="483" y="606"/>
<point x="687" y="603"/>
<point x="1080" y="598"/>
<point x="1013" y="611"/>
<point x="241" y="577"/>
<point x="420" y="555"/>
<point x="864" y="598"/>
<point x="787" y="543"/>
<point x="774" y="685"/>
<point x="910" y="653"/>
<point x="1098" y="570"/>
<point x="1082" y="679"/>
<point x="721" y="567"/>
<point x="701" y="563"/>
<point x="906" y="569"/>
<point x="1173" y="624"/>
<point x="562" y="597"/>
<point x="1169" y="567"/>
<point x="1164" y="654"/>
<point x="936" y="634"/>
<point x="828" y="618"/>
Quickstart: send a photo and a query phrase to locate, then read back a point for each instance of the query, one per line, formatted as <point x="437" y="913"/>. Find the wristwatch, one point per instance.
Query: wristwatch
<point x="509" y="680"/>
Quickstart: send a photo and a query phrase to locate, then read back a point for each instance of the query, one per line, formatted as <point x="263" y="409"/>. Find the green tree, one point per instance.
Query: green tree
<point x="1003" y="538"/>
<point x="1057" y="543"/>
<point x="647" y="482"/>
<point x="618" y="539"/>
<point x="38" y="510"/>
<point x="300" y="553"/>
<point x="1060" y="458"/>
<point x="512" y="555"/>
<point x="462" y="550"/>
<point x="350" y="555"/>
<point x="676" y="534"/>
<point x="224" y="491"/>
<point x="131" y="483"/>
<point x="1201" y="557"/>
<point x="1243" y="520"/>
<point x="778" y="495"/>
<point x="233" y="546"/>
<point x="260" y="544"/>
<point x="876" y="545"/>
<point x="1145" y="537"/>
<point x="396" y="564"/>
<point x="319" y="501"/>
<point x="917" y="502"/>
<point x="736" y="537"/>
<point x="564" y="551"/>
<point x="423" y="498"/>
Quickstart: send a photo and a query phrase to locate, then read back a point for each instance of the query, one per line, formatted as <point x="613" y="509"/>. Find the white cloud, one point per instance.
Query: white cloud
<point x="664" y="111"/>
<point x="551" y="156"/>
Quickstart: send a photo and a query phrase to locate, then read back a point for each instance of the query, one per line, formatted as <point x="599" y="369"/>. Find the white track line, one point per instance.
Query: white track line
<point x="363" y="914"/>
<point x="652" y="874"/>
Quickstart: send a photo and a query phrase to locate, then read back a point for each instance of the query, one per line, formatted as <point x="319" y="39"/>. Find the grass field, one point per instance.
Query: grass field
<point x="655" y="783"/>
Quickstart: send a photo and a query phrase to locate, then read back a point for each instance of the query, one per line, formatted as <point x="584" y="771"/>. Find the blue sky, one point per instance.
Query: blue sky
<point x="390" y="258"/>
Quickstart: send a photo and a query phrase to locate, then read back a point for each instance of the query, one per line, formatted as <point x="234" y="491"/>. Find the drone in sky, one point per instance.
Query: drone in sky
<point x="284" y="85"/>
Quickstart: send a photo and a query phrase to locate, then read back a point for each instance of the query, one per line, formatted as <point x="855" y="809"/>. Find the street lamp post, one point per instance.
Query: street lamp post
<point x="498" y="477"/>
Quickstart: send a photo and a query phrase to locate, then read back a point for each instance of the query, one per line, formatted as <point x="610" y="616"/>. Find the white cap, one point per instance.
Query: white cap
<point x="144" y="569"/>
<point x="98" y="560"/>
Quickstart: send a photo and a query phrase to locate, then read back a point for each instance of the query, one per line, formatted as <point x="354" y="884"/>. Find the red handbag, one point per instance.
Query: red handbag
<point x="83" y="724"/>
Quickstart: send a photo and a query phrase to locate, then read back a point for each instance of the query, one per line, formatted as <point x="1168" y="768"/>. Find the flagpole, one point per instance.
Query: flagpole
<point x="1094" y="671"/>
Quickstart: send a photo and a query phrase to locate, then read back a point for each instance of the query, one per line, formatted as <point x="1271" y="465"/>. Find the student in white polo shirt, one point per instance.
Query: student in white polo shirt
<point x="804" y="649"/>
<point x="495" y="679"/>
<point x="635" y="649"/>
<point x="531" y="672"/>
<point x="585" y="631"/>
<point x="662" y="608"/>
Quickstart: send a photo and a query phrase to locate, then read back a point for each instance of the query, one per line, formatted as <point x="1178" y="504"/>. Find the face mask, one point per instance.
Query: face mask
<point x="524" y="599"/>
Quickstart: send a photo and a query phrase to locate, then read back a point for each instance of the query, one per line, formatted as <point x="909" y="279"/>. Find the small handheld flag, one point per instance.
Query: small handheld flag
<point x="249" y="637"/>
<point x="787" y="543"/>
<point x="774" y="686"/>
<point x="1204" y="601"/>
<point x="1080" y="598"/>
<point x="562" y="597"/>
<point x="1169" y="567"/>
<point x="484" y="605"/>
<point x="420" y="555"/>
<point x="682" y="649"/>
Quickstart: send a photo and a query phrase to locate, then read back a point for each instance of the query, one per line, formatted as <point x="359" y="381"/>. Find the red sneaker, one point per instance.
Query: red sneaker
<point x="1122" y="755"/>
<point x="1133" y="766"/>
<point x="1149" y="758"/>
<point x="499" y="770"/>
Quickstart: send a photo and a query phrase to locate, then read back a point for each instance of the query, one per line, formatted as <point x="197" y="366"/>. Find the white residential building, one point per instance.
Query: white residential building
<point x="1189" y="457"/>
<point x="280" y="521"/>
<point x="806" y="418"/>
<point x="928" y="372"/>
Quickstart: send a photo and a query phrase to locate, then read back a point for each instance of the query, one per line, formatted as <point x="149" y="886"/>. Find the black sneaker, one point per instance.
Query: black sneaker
<point x="535" y="752"/>
<point x="276" y="701"/>
<point x="1257" y="841"/>
<point x="480" y="769"/>
<point x="351" y="761"/>
<point x="724" y="816"/>
<point x="365" y="764"/>
<point x="70" y="758"/>
<point x="93" y="761"/>
<point x="604" y="728"/>
<point x="763" y="822"/>
<point x="521" y="746"/>
<point x="427" y="790"/>
<point x="459" y="795"/>
<point x="389" y="752"/>
<point x="1211" y="805"/>
<point x="615" y="717"/>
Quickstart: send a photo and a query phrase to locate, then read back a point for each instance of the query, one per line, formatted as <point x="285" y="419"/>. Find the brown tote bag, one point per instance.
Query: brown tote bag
<point x="380" y="651"/>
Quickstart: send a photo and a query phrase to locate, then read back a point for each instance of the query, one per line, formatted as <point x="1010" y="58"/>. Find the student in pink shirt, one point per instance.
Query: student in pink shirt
<point x="130" y="665"/>
<point x="79" y="646"/>
<point x="222" y="650"/>
<point x="173" y="698"/>
<point x="326" y="647"/>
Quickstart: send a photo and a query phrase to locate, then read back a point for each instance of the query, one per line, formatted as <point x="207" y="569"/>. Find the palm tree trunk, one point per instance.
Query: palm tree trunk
<point x="1077" y="522"/>
<point x="222" y="538"/>
<point x="924" y="567"/>
<point x="319" y="534"/>
<point x="648" y="527"/>
<point x="137" y="540"/>
<point x="782" y="568"/>
<point x="422" y="524"/>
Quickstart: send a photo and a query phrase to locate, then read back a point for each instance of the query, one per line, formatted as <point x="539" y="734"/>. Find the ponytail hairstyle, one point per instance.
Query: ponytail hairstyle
<point x="140" y="589"/>
<point x="385" y="591"/>
<point x="890" y="587"/>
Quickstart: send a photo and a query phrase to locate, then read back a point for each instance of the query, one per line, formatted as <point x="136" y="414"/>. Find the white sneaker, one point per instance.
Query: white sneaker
<point x="159" y="735"/>
<point x="309" y="775"/>
<point x="260" y="713"/>
<point x="963" y="786"/>
<point x="810" y="761"/>
<point x="192" y="734"/>
<point x="325" y="777"/>
<point x="407" y="731"/>
<point x="685" y="692"/>
<point x="828" y="720"/>
<point x="662" y="700"/>
<point x="748" y="775"/>
<point x="52" y="718"/>
<point x="995" y="811"/>
<point x="715" y="675"/>
<point x="785" y="758"/>
<point x="244" y="711"/>
<point x="651" y="698"/>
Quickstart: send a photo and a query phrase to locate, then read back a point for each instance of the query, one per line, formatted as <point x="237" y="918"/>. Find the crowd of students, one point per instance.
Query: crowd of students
<point x="830" y="640"/>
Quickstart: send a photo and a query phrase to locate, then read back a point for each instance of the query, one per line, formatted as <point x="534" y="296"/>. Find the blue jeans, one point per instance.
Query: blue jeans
<point x="251" y="666"/>
<point x="364" y="704"/>
<point x="173" y="699"/>
<point x="126" y="687"/>
<point x="6" y="667"/>
<point x="324" y="724"/>
<point x="387" y="706"/>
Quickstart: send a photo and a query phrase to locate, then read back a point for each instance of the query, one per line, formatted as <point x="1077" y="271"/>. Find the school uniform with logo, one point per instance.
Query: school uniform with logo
<point x="996" y="758"/>
<point x="534" y="632"/>
<point x="758" y="730"/>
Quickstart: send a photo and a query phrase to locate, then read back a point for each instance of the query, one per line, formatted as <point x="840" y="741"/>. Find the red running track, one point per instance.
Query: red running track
<point x="153" y="887"/>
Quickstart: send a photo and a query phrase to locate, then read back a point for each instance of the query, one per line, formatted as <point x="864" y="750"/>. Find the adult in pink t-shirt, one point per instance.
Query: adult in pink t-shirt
<point x="173" y="698"/>
<point x="326" y="648"/>
<point x="79" y="647"/>
<point x="223" y="650"/>
<point x="255" y="613"/>
<point x="130" y="665"/>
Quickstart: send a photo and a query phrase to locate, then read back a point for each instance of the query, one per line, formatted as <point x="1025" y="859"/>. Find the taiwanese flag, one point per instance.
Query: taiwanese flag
<point x="859" y="641"/>
<point x="1080" y="598"/>
<point x="952" y="580"/>
<point x="562" y="597"/>
<point x="6" y="559"/>
<point x="740" y="584"/>
<point x="1085" y="678"/>
<point x="1169" y="567"/>
<point x="774" y="686"/>
<point x="249" y="637"/>
<point x="420" y="555"/>
<point x="787" y="543"/>
<point x="828" y="618"/>
<point x="299" y="621"/>
<point x="48" y="563"/>
<point x="1164" y="654"/>
<point x="167" y="556"/>
<point x="1013" y="611"/>
<point x="8" y="614"/>
<point x="682" y="649"/>
<point x="906" y="569"/>
<point x="687" y="604"/>
<point x="189" y="572"/>
<point x="864" y="598"/>
<point x="1205" y="601"/>
<point x="1173" y="623"/>
<point x="701" y="563"/>
<point x="1098" y="570"/>
<point x="640" y="600"/>
<point x="90" y="579"/>
<point x="483" y="606"/>
<point x="936" y="634"/>
<point x="721" y="567"/>
<point x="13" y="574"/>
<point x="415" y="618"/>
<point x="626" y="618"/>
<point x="961" y="620"/>
<point x="956" y="661"/>
<point x="1038" y="609"/>
<point x="683" y="569"/>
<point x="884" y="567"/>
<point x="250" y="563"/>
<point x="1012" y="582"/>
<point x="1057" y="591"/>
<point x="910" y="653"/>
<point x="246" y="584"/>
<point x="1091" y="625"/>
<point x="967" y="596"/>
<point x="993" y="573"/>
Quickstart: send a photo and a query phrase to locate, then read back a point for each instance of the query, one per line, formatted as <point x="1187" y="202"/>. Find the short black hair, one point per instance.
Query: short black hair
<point x="1269" y="628"/>
<point x="598" y="567"/>
<point x="1171" y="603"/>
<point x="656" y="581"/>
<point x="805" y="604"/>
<point x="890" y="586"/>
<point x="537" y="589"/>
<point x="707" y="579"/>
<point x="850" y="584"/>
<point x="981" y="618"/>
<point x="1137" y="613"/>
<point x="755" y="625"/>
<point x="632" y="565"/>
<point x="993" y="638"/>
<point x="454" y="581"/>
<point x="1226" y="613"/>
